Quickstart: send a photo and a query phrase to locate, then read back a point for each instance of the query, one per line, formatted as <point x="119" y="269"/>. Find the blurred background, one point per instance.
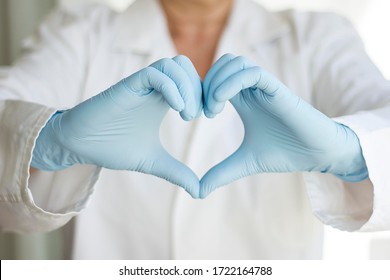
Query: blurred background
<point x="19" y="18"/>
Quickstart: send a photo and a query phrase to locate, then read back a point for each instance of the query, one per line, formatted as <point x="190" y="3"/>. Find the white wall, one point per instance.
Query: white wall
<point x="18" y="18"/>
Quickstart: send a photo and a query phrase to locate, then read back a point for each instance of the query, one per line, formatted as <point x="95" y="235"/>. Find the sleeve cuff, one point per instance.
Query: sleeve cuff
<point x="46" y="200"/>
<point x="363" y="206"/>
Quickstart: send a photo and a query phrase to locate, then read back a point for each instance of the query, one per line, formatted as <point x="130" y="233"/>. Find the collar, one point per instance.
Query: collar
<point x="256" y="23"/>
<point x="250" y="26"/>
<point x="142" y="27"/>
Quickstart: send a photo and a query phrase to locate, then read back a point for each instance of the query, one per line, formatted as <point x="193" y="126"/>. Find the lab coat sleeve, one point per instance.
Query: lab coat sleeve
<point x="49" y="75"/>
<point x="348" y="87"/>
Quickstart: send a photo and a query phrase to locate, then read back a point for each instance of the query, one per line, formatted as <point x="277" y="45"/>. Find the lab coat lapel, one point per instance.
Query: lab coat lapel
<point x="142" y="31"/>
<point x="250" y="27"/>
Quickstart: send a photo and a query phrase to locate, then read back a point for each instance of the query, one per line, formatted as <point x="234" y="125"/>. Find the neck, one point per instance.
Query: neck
<point x="195" y="27"/>
<point x="196" y="12"/>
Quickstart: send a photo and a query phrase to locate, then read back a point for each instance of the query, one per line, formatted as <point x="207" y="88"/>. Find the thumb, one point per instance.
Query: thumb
<point x="236" y="166"/>
<point x="167" y="167"/>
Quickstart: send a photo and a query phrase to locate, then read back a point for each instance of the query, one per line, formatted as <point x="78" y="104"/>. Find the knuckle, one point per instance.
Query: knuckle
<point x="147" y="73"/>
<point x="258" y="70"/>
<point x="149" y="70"/>
<point x="243" y="62"/>
<point x="165" y="61"/>
<point x="165" y="87"/>
<point x="182" y="58"/>
<point x="229" y="56"/>
<point x="240" y="59"/>
<point x="161" y="63"/>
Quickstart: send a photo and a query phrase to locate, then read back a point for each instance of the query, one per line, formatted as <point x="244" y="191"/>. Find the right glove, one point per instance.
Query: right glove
<point x="119" y="128"/>
<point x="283" y="133"/>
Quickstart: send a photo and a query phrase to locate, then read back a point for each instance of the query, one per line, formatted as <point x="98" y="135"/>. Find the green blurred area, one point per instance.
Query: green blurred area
<point x="18" y="19"/>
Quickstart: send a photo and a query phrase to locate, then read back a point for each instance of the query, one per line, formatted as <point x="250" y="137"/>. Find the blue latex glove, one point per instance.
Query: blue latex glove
<point x="119" y="128"/>
<point x="283" y="133"/>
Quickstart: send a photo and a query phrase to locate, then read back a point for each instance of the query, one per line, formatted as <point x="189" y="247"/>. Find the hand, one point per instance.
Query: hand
<point x="119" y="128"/>
<point x="283" y="133"/>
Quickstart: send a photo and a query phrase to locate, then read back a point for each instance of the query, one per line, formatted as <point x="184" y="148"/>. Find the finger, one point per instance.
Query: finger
<point x="184" y="84"/>
<point x="172" y="170"/>
<point x="226" y="58"/>
<point x="274" y="94"/>
<point x="236" y="82"/>
<point x="223" y="75"/>
<point x="148" y="79"/>
<point x="189" y="68"/>
<point x="268" y="83"/>
<point x="236" y="166"/>
<point x="215" y="68"/>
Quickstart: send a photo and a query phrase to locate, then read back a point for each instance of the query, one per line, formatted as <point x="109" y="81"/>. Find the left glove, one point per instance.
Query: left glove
<point x="119" y="128"/>
<point x="283" y="133"/>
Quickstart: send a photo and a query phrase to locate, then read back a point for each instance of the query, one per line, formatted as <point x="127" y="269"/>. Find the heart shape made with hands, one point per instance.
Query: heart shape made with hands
<point x="283" y="133"/>
<point x="119" y="128"/>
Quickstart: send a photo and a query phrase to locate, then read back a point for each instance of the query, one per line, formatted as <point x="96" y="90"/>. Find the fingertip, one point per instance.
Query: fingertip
<point x="216" y="109"/>
<point x="199" y="113"/>
<point x="179" y="174"/>
<point x="192" y="190"/>
<point x="178" y="105"/>
<point x="209" y="115"/>
<point x="192" y="92"/>
<point x="219" y="96"/>
<point x="185" y="116"/>
<point x="205" y="188"/>
<point x="227" y="56"/>
<point x="202" y="194"/>
<point x="188" y="181"/>
<point x="215" y="68"/>
<point x="193" y="193"/>
<point x="180" y="59"/>
<point x="189" y="113"/>
<point x="176" y="101"/>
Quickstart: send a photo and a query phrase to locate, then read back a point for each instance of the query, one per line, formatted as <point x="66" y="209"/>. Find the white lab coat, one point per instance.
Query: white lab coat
<point x="77" y="53"/>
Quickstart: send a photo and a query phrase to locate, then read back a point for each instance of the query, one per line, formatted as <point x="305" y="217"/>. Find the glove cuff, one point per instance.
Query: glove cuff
<point x="353" y="165"/>
<point x="48" y="153"/>
<point x="355" y="177"/>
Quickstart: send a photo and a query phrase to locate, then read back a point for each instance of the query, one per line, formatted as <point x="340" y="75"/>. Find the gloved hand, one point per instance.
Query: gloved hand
<point x="119" y="128"/>
<point x="283" y="133"/>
